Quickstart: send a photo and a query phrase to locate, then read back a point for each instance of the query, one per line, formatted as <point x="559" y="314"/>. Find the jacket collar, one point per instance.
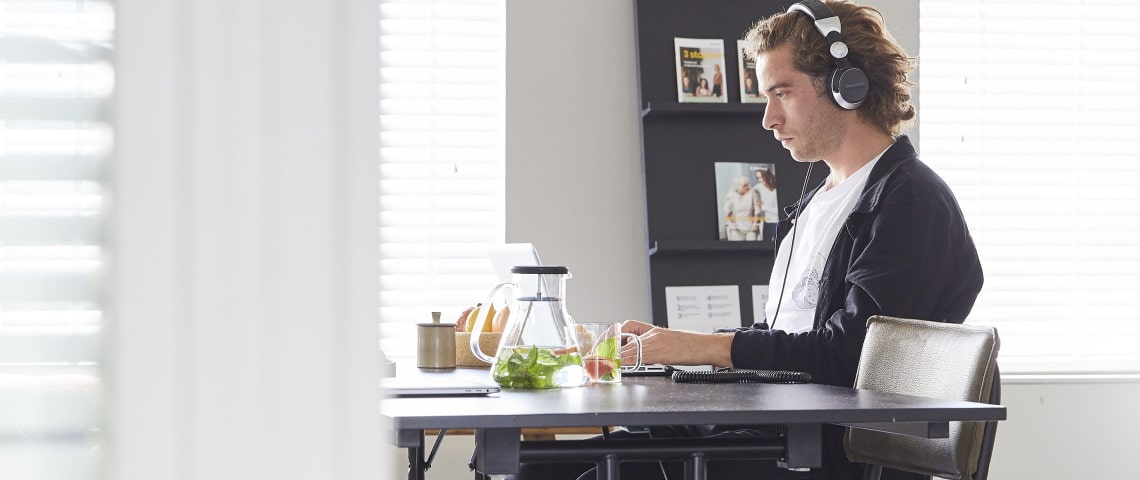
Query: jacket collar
<point x="897" y="155"/>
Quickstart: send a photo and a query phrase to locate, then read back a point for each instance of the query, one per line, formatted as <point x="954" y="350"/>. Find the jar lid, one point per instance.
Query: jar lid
<point x="448" y="325"/>
<point x="435" y="321"/>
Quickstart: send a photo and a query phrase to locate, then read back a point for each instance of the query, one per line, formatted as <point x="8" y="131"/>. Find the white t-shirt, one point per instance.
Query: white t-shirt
<point x="818" y="224"/>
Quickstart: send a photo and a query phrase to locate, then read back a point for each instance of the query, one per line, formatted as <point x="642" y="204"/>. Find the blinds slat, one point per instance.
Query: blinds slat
<point x="78" y="109"/>
<point x="69" y="348"/>
<point x="43" y="286"/>
<point x="50" y="230"/>
<point x="86" y="167"/>
<point x="17" y="48"/>
<point x="46" y="407"/>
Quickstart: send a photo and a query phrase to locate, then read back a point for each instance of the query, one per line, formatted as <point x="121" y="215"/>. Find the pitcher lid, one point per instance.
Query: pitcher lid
<point x="540" y="269"/>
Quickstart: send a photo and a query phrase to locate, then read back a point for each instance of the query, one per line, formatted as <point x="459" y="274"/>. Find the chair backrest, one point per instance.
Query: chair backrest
<point x="929" y="359"/>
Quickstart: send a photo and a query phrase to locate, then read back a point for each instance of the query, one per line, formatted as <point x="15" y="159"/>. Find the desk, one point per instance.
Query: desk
<point x="802" y="409"/>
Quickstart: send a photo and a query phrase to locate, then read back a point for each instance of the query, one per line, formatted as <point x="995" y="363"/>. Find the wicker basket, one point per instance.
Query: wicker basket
<point x="488" y="343"/>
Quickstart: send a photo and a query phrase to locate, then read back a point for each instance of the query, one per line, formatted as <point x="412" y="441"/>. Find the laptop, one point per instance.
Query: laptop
<point x="508" y="255"/>
<point x="426" y="385"/>
<point x="659" y="370"/>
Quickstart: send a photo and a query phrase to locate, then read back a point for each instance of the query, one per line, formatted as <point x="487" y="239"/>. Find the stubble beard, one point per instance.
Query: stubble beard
<point x="822" y="133"/>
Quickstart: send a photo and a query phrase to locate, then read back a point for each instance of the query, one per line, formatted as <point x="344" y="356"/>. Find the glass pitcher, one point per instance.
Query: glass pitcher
<point x="536" y="350"/>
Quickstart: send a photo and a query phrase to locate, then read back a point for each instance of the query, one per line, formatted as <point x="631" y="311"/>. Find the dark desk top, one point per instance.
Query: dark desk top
<point x="659" y="401"/>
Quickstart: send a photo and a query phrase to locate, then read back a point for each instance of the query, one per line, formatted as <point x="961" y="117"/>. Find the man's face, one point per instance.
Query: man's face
<point x="810" y="126"/>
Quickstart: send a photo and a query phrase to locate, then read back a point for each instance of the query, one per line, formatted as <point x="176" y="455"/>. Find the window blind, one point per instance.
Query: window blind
<point x="442" y="199"/>
<point x="1030" y="112"/>
<point x="55" y="80"/>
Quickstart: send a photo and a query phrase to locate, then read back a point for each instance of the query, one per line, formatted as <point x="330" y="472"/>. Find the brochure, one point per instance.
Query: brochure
<point x="702" y="308"/>
<point x="700" y="70"/>
<point x="747" y="207"/>
<point x="749" y="84"/>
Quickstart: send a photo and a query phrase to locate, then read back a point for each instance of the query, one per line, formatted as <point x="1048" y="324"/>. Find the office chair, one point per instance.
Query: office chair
<point x="930" y="359"/>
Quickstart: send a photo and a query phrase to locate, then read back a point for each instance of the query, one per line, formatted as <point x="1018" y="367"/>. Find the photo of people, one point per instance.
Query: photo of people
<point x="700" y="70"/>
<point x="764" y="188"/>
<point x="747" y="208"/>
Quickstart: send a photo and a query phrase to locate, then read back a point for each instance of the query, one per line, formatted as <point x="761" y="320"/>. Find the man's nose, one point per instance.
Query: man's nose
<point x="772" y="117"/>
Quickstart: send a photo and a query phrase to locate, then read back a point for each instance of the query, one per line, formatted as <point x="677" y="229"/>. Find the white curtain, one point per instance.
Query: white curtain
<point x="1031" y="111"/>
<point x="242" y="333"/>
<point x="442" y="102"/>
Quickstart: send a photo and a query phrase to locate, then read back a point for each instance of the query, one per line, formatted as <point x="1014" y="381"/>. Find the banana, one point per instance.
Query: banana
<point x="489" y="320"/>
<point x="473" y="318"/>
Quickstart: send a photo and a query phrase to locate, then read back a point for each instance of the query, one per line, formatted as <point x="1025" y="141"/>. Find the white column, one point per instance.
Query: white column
<point x="242" y="334"/>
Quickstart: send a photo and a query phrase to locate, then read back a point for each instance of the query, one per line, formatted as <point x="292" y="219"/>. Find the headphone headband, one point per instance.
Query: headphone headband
<point x="849" y="85"/>
<point x="826" y="21"/>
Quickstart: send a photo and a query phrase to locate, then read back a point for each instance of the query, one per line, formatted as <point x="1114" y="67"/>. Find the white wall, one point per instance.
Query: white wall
<point x="574" y="185"/>
<point x="1063" y="429"/>
<point x="574" y="189"/>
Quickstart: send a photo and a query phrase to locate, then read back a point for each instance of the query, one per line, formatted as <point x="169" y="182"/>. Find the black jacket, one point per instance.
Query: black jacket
<point x="905" y="251"/>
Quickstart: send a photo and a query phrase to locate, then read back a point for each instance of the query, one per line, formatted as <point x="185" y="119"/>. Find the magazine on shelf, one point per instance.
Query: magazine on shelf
<point x="701" y="76"/>
<point x="747" y="208"/>
<point x="749" y="84"/>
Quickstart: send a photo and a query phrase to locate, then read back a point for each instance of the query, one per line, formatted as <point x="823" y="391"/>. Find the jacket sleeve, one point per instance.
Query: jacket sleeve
<point x="898" y="262"/>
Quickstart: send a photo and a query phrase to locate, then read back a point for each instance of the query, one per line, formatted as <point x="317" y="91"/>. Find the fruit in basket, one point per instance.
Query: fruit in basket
<point x="473" y="318"/>
<point x="461" y="322"/>
<point x="501" y="318"/>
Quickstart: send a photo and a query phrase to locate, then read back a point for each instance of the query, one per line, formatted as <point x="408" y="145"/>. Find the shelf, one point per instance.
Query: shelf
<point x="674" y="109"/>
<point x="708" y="246"/>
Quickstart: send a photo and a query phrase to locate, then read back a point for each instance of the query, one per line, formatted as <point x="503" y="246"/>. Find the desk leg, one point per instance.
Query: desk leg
<point x="416" y="463"/>
<point x="804" y="446"/>
<point x="696" y="467"/>
<point x="497" y="450"/>
<point x="609" y="468"/>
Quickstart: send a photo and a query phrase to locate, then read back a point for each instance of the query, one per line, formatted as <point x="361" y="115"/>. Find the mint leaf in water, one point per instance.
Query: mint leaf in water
<point x="532" y="367"/>
<point x="608" y="348"/>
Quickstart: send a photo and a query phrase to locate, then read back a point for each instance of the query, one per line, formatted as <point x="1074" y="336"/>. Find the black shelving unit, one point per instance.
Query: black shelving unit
<point x="682" y="141"/>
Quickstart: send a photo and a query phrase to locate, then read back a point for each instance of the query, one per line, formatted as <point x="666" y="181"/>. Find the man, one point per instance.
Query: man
<point x="882" y="235"/>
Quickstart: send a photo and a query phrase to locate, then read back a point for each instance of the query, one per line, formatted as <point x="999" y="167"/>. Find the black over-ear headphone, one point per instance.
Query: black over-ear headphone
<point x="849" y="85"/>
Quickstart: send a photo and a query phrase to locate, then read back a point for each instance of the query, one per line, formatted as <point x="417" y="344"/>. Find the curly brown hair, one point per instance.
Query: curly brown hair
<point x="871" y="48"/>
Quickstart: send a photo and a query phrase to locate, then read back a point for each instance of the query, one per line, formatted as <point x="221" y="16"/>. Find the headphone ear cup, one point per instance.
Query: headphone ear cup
<point x="849" y="87"/>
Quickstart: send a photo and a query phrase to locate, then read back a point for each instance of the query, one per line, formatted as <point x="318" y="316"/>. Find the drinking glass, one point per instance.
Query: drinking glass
<point x="600" y="347"/>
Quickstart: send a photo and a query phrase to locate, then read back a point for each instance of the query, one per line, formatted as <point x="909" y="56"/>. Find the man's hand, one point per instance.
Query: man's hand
<point x="676" y="347"/>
